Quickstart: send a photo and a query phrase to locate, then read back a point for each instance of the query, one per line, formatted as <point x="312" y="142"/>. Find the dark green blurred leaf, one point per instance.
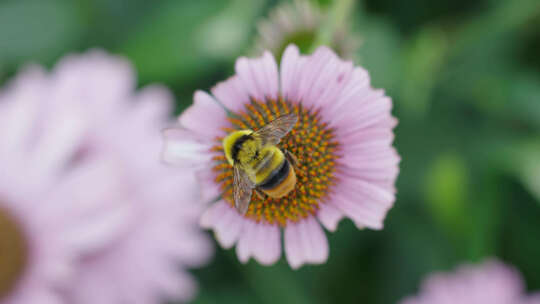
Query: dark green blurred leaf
<point x="165" y="46"/>
<point x="447" y="192"/>
<point x="37" y="30"/>
<point x="379" y="53"/>
<point x="522" y="159"/>
<point x="423" y="59"/>
<point x="183" y="39"/>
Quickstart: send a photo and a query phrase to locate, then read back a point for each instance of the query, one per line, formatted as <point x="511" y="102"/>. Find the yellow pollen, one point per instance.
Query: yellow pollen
<point x="13" y="253"/>
<point x="310" y="141"/>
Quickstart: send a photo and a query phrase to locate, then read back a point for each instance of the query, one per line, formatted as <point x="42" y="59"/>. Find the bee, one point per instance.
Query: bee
<point x="259" y="164"/>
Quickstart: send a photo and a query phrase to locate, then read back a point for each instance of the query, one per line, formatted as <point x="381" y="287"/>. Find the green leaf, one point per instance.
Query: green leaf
<point x="446" y="182"/>
<point x="423" y="59"/>
<point x="37" y="29"/>
<point x="522" y="159"/>
<point x="183" y="39"/>
<point x="379" y="53"/>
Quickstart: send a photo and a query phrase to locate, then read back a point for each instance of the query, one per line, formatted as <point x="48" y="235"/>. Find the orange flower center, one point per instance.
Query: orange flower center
<point x="310" y="141"/>
<point x="13" y="253"/>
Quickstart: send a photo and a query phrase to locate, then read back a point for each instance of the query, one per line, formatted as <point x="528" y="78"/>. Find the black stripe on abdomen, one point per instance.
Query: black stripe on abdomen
<point x="276" y="177"/>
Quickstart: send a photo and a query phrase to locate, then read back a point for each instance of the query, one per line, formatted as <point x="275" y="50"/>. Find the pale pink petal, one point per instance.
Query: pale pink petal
<point x="184" y="148"/>
<point x="354" y="117"/>
<point x="357" y="85"/>
<point x="212" y="214"/>
<point x="329" y="87"/>
<point x="226" y="222"/>
<point x="20" y="110"/>
<point x="305" y="243"/>
<point x="291" y="69"/>
<point x="96" y="216"/>
<point x="60" y="140"/>
<point x="153" y="104"/>
<point x="259" y="76"/>
<point x="324" y="79"/>
<point x="315" y="66"/>
<point x="260" y="241"/>
<point x="97" y="80"/>
<point x="363" y="213"/>
<point x="490" y="282"/>
<point x="329" y="216"/>
<point x="266" y="245"/>
<point x="206" y="178"/>
<point x="196" y="117"/>
<point x="246" y="242"/>
<point x="232" y="94"/>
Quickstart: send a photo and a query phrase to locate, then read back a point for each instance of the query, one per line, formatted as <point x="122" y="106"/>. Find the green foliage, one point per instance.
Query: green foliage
<point x="465" y="80"/>
<point x="36" y="30"/>
<point x="447" y="187"/>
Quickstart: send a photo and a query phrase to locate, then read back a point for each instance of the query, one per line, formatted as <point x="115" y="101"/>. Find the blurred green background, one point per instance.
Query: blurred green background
<point x="465" y="79"/>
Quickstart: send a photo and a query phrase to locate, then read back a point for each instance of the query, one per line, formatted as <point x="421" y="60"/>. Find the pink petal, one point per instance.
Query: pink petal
<point x="98" y="215"/>
<point x="364" y="202"/>
<point x="316" y="65"/>
<point x="213" y="214"/>
<point x="204" y="116"/>
<point x="225" y="221"/>
<point x="324" y="78"/>
<point x="184" y="148"/>
<point x="21" y="107"/>
<point x="267" y="247"/>
<point x="153" y="104"/>
<point x="305" y="242"/>
<point x="360" y="208"/>
<point x="357" y="84"/>
<point x="261" y="241"/>
<point x="383" y="157"/>
<point x="206" y="178"/>
<point x="247" y="240"/>
<point x="232" y="94"/>
<point x="362" y="113"/>
<point x="61" y="137"/>
<point x="97" y="80"/>
<point x="291" y="70"/>
<point x="329" y="216"/>
<point x="259" y="76"/>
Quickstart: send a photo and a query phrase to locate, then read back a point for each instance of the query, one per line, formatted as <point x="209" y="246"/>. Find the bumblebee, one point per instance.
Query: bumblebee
<point x="258" y="163"/>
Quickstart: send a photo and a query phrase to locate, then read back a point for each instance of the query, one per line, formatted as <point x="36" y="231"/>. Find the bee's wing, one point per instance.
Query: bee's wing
<point x="276" y="129"/>
<point x="243" y="187"/>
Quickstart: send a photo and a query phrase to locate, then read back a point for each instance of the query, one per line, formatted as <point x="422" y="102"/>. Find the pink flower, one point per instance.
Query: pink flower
<point x="491" y="282"/>
<point x="342" y="140"/>
<point x="301" y="20"/>
<point x="52" y="210"/>
<point x="150" y="235"/>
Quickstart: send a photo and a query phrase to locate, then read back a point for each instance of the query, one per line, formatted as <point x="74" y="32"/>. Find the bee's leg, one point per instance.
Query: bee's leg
<point x="259" y="194"/>
<point x="292" y="159"/>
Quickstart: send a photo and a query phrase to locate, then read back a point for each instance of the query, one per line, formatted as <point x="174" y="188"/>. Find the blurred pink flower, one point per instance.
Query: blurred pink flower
<point x="51" y="210"/>
<point x="141" y="256"/>
<point x="343" y="141"/>
<point x="300" y="21"/>
<point x="491" y="282"/>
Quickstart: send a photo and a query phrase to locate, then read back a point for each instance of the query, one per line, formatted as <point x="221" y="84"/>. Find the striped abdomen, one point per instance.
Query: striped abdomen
<point x="273" y="173"/>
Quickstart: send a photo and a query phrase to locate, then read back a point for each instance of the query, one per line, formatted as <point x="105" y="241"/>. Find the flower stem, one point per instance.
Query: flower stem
<point x="337" y="16"/>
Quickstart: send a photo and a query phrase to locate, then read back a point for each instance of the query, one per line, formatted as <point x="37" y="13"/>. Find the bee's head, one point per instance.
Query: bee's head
<point x="233" y="142"/>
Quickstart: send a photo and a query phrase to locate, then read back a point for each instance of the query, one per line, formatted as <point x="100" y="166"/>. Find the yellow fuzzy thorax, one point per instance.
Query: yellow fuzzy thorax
<point x="248" y="151"/>
<point x="250" y="155"/>
<point x="230" y="140"/>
